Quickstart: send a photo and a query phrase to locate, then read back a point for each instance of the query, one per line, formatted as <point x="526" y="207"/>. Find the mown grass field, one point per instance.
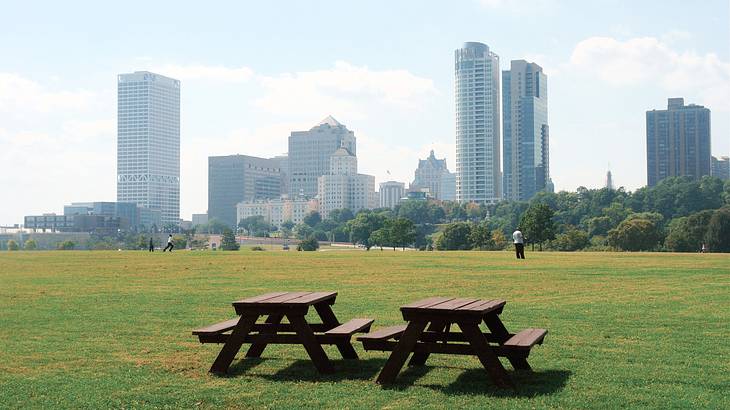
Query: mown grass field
<point x="112" y="329"/>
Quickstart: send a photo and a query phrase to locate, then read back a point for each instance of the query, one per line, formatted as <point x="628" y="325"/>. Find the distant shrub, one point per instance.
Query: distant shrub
<point x="30" y="245"/>
<point x="13" y="246"/>
<point x="257" y="248"/>
<point x="66" y="245"/>
<point x="309" y="244"/>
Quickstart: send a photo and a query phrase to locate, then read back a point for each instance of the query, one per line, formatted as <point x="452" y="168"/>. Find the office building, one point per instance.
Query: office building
<point x="525" y="159"/>
<point x="478" y="173"/>
<point x="148" y="143"/>
<point x="433" y="175"/>
<point x="720" y="167"/>
<point x="132" y="215"/>
<point x="391" y="193"/>
<point x="239" y="178"/>
<point x="310" y="152"/>
<point x="199" y="219"/>
<point x="343" y="187"/>
<point x="278" y="211"/>
<point x="677" y="141"/>
<point x="282" y="162"/>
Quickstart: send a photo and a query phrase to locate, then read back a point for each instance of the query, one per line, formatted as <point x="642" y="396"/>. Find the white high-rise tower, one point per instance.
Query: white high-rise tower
<point x="478" y="176"/>
<point x="148" y="142"/>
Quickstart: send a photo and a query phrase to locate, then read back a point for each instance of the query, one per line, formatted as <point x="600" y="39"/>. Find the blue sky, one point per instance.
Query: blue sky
<point x="252" y="72"/>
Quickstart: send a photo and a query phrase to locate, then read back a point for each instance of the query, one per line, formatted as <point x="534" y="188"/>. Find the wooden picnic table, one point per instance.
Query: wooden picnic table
<point x="438" y="313"/>
<point x="277" y="306"/>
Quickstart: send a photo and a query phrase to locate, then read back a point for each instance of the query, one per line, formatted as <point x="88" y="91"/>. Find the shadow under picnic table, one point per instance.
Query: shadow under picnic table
<point x="303" y="370"/>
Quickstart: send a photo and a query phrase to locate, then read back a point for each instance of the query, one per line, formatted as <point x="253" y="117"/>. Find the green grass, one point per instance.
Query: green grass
<point x="112" y="329"/>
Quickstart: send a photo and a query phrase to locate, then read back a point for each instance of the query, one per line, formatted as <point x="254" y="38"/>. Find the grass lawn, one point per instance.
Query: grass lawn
<point x="112" y="329"/>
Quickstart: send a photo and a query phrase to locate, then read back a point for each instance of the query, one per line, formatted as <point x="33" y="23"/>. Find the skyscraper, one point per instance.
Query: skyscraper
<point x="237" y="178"/>
<point x="677" y="141"/>
<point x="310" y="153"/>
<point x="526" y="136"/>
<point x="720" y="167"/>
<point x="391" y="193"/>
<point x="478" y="175"/>
<point x="433" y="175"/>
<point x="342" y="187"/>
<point x="148" y="143"/>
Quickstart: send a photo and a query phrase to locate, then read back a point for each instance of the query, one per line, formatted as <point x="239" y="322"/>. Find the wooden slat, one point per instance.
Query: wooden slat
<point x="526" y="338"/>
<point x="217" y="327"/>
<point x="350" y="327"/>
<point x="484" y="307"/>
<point x="284" y="298"/>
<point x="451" y="304"/>
<point x="384" y="333"/>
<point x="426" y="302"/>
<point x="312" y="298"/>
<point x="259" y="298"/>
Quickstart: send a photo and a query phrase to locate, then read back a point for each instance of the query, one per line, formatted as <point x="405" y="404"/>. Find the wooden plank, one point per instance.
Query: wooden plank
<point x="401" y="352"/>
<point x="526" y="338"/>
<point x="217" y="327"/>
<point x="233" y="345"/>
<point x="283" y="298"/>
<point x="313" y="348"/>
<point x="485" y="354"/>
<point x="384" y="333"/>
<point x="313" y="298"/>
<point x="460" y="349"/>
<point x="484" y="307"/>
<point x="259" y="298"/>
<point x="451" y="304"/>
<point x="426" y="302"/>
<point x="350" y="327"/>
<point x="257" y="348"/>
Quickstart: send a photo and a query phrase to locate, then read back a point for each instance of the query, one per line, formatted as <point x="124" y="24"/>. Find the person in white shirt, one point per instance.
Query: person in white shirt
<point x="170" y="245"/>
<point x="519" y="241"/>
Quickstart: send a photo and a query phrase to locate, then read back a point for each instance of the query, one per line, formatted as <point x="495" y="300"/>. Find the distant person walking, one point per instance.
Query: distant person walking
<point x="519" y="241"/>
<point x="169" y="244"/>
<point x="704" y="248"/>
<point x="152" y="245"/>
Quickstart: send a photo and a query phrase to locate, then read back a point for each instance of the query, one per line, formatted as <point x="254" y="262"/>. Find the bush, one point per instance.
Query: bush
<point x="718" y="231"/>
<point x="30" y="245"/>
<point x="635" y="235"/>
<point x="309" y="244"/>
<point x="572" y="240"/>
<point x="13" y="246"/>
<point x="257" y="248"/>
<point x="228" y="242"/>
<point x="66" y="245"/>
<point x="454" y="237"/>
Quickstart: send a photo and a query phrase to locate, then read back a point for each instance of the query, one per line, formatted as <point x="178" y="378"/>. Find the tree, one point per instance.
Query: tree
<point x="364" y="224"/>
<point x="13" y="246"/>
<point x="312" y="219"/>
<point x="214" y="226"/>
<point x="228" y="242"/>
<point x="571" y="240"/>
<point x="255" y="225"/>
<point x="401" y="232"/>
<point x="286" y="228"/>
<point x="499" y="239"/>
<point x="341" y="215"/>
<point x="454" y="237"/>
<point x="142" y="242"/>
<point x="309" y="244"/>
<point x="537" y="224"/>
<point x="380" y="238"/>
<point x="718" y="231"/>
<point x="481" y="237"/>
<point x="30" y="245"/>
<point x="66" y="245"/>
<point x="635" y="235"/>
<point x="180" y="241"/>
<point x="686" y="234"/>
<point x="303" y="231"/>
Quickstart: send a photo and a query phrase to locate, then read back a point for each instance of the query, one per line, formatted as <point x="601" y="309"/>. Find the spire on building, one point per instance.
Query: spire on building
<point x="609" y="181"/>
<point x="330" y="121"/>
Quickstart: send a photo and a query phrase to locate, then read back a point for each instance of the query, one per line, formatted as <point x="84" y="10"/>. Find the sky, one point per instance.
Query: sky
<point x="252" y="72"/>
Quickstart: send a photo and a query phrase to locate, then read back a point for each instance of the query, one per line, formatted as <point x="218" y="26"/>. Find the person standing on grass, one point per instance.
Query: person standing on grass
<point x="169" y="244"/>
<point x="519" y="241"/>
<point x="152" y="245"/>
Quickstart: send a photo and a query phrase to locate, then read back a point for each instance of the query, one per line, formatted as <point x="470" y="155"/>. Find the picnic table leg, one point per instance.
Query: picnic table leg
<point x="328" y="318"/>
<point x="257" y="348"/>
<point x="419" y="358"/>
<point x="314" y="349"/>
<point x="399" y="355"/>
<point x="233" y="344"/>
<point x="497" y="328"/>
<point x="489" y="360"/>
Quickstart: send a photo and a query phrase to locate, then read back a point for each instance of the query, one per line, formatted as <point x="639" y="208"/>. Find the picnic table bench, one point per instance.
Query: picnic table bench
<point x="277" y="306"/>
<point x="439" y="313"/>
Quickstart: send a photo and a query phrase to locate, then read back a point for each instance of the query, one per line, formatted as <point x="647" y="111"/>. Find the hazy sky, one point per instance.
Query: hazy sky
<point x="252" y="72"/>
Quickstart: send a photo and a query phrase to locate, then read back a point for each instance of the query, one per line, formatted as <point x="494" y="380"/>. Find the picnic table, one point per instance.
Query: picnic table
<point x="277" y="306"/>
<point x="438" y="313"/>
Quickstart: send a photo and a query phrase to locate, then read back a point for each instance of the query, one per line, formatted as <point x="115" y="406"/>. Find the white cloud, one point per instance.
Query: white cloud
<point x="20" y="95"/>
<point x="647" y="60"/>
<point x="518" y="6"/>
<point x="345" y="88"/>
<point x="205" y="72"/>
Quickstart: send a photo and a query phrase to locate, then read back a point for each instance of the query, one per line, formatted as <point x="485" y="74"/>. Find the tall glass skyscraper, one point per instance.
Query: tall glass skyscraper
<point x="148" y="143"/>
<point x="677" y="141"/>
<point x="526" y="135"/>
<point x="478" y="177"/>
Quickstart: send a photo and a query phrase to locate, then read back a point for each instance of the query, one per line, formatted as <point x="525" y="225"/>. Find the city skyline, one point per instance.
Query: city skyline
<point x="394" y="88"/>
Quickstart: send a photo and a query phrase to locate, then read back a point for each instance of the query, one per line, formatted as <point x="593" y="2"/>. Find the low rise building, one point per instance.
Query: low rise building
<point x="391" y="193"/>
<point x="277" y="211"/>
